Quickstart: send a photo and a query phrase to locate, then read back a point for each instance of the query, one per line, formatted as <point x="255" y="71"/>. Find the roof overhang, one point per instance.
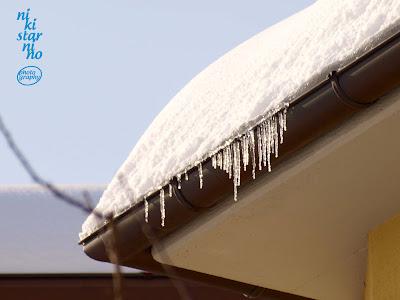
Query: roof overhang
<point x="312" y="115"/>
<point x="304" y="230"/>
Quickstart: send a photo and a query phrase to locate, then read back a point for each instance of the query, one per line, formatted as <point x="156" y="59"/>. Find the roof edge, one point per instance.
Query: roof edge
<point x="324" y="107"/>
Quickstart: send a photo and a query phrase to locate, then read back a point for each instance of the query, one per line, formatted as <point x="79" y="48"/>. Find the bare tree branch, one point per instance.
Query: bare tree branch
<point x="37" y="179"/>
<point x="85" y="206"/>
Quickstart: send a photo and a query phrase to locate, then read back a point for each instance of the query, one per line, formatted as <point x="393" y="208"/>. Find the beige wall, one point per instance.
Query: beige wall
<point x="383" y="275"/>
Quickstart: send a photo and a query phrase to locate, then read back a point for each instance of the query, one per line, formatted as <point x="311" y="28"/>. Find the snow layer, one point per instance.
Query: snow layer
<point x="250" y="81"/>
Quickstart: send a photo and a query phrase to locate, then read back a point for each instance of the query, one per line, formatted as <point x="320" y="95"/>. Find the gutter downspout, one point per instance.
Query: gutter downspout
<point x="313" y="114"/>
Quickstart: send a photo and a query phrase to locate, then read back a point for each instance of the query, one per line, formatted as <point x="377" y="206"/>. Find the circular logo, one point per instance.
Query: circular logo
<point x="29" y="75"/>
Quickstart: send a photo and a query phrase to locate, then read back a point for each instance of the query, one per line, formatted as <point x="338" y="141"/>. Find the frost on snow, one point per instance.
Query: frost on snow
<point x="234" y="110"/>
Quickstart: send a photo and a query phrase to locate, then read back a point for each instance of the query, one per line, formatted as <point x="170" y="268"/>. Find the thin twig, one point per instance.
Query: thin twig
<point x="111" y="247"/>
<point x="179" y="285"/>
<point x="149" y="233"/>
<point x="112" y="252"/>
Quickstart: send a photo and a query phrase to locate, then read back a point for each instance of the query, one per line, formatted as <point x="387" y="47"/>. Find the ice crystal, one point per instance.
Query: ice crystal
<point x="200" y="168"/>
<point x="162" y="207"/>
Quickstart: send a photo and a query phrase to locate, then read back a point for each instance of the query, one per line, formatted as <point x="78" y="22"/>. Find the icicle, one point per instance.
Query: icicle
<point x="270" y="141"/>
<point x="200" y="168"/>
<point x="247" y="153"/>
<point x="259" y="144"/>
<point x="227" y="160"/>
<point x="264" y="142"/>
<point x="224" y="158"/>
<point x="237" y="163"/>
<point x="170" y="190"/>
<point x="162" y="207"/>
<point x="285" y="118"/>
<point x="230" y="161"/>
<point x="146" y="210"/>
<point x="214" y="161"/>
<point x="243" y="144"/>
<point x="268" y="135"/>
<point x="219" y="160"/>
<point x="280" y="117"/>
<point x="236" y="169"/>
<point x="234" y="174"/>
<point x="245" y="150"/>
<point x="178" y="179"/>
<point x="275" y="135"/>
<point x="253" y="152"/>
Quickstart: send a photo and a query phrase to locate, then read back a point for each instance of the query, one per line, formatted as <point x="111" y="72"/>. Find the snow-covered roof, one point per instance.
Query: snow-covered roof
<point x="250" y="84"/>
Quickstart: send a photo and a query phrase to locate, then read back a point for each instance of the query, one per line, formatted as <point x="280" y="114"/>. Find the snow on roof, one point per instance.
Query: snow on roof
<point x="254" y="80"/>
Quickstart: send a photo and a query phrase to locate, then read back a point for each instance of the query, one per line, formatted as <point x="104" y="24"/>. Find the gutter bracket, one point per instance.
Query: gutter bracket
<point x="333" y="77"/>
<point x="182" y="199"/>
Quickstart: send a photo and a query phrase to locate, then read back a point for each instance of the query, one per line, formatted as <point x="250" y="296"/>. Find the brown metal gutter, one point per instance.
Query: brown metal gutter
<point x="315" y="113"/>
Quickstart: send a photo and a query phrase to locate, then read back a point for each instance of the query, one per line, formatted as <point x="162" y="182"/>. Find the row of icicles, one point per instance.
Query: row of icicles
<point x="266" y="136"/>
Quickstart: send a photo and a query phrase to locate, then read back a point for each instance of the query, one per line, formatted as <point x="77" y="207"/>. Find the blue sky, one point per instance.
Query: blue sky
<point x="108" y="68"/>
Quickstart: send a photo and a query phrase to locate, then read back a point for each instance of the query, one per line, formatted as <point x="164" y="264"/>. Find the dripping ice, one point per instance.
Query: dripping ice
<point x="268" y="134"/>
<point x="253" y="149"/>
